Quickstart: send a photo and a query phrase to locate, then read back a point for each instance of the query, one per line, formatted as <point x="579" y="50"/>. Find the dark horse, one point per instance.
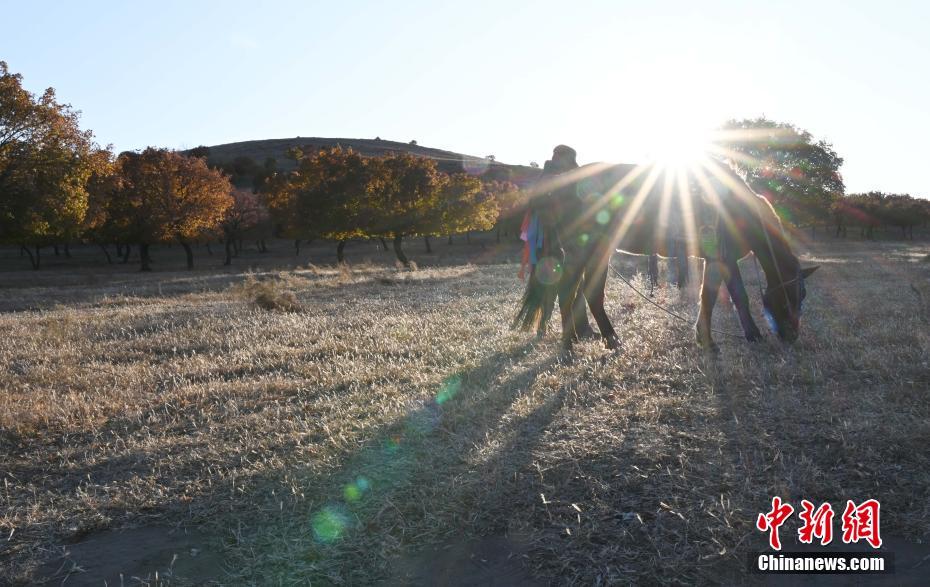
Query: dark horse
<point x="708" y="212"/>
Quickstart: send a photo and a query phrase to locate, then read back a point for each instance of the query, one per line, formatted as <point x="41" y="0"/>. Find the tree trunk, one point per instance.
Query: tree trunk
<point x="144" y="258"/>
<point x="33" y="259"/>
<point x="399" y="251"/>
<point x="119" y="250"/>
<point x="239" y="249"/>
<point x="383" y="243"/>
<point x="429" y="249"/>
<point x="56" y="249"/>
<point x="498" y="234"/>
<point x="228" y="246"/>
<point x="340" y="252"/>
<point x="262" y="246"/>
<point x="209" y="250"/>
<point x="189" y="252"/>
<point x="107" y="253"/>
<point x="67" y="251"/>
<point x="296" y="247"/>
<point x="236" y="247"/>
<point x="468" y="237"/>
<point x="126" y="254"/>
<point x="449" y="242"/>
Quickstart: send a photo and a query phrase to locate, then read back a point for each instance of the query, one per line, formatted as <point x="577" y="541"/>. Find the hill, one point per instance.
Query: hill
<point x="448" y="161"/>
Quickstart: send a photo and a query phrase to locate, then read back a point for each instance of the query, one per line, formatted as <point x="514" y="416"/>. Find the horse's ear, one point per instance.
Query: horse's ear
<point x="805" y="273"/>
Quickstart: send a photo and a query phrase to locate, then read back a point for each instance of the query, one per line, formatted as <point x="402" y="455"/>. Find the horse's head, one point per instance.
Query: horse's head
<point x="783" y="302"/>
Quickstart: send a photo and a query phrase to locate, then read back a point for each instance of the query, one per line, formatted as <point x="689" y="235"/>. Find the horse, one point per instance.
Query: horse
<point x="707" y="212"/>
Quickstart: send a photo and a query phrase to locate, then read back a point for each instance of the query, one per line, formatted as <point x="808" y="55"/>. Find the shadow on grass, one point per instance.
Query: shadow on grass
<point x="366" y="513"/>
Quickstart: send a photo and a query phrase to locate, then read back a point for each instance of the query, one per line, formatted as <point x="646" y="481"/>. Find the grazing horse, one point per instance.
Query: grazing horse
<point x="707" y="212"/>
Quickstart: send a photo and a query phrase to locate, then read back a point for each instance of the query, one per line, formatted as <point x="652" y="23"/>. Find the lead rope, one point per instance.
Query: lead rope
<point x="663" y="308"/>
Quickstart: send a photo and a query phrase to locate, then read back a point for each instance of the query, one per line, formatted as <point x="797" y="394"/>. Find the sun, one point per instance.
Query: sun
<point x="680" y="146"/>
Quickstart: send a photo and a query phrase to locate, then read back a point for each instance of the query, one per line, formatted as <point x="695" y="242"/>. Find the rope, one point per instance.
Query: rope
<point x="663" y="308"/>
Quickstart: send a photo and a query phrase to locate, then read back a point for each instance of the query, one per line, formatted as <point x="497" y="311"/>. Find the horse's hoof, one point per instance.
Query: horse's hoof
<point x="585" y="333"/>
<point x="711" y="348"/>
<point x="706" y="343"/>
<point x="612" y="342"/>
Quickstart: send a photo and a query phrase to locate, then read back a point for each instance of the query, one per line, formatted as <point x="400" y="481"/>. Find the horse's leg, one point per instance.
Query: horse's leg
<point x="595" y="281"/>
<point x="740" y="298"/>
<point x="580" y="314"/>
<point x="653" y="273"/>
<point x="681" y="259"/>
<point x="709" y="288"/>
<point x="569" y="285"/>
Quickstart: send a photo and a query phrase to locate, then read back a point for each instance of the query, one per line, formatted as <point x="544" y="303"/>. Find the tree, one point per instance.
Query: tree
<point x="799" y="175"/>
<point x="202" y="152"/>
<point x="46" y="161"/>
<point x="277" y="195"/>
<point x="328" y="196"/>
<point x="162" y="196"/>
<point x="470" y="204"/>
<point x="404" y="193"/>
<point x="903" y="211"/>
<point x="245" y="213"/>
<point x="511" y="203"/>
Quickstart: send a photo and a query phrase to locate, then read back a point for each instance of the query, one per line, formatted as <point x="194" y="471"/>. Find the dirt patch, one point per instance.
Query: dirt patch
<point x="149" y="555"/>
<point x="492" y="561"/>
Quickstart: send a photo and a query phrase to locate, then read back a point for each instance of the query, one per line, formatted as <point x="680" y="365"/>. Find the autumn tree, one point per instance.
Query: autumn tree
<point x="46" y="161"/>
<point x="245" y="213"/>
<point x="798" y="174"/>
<point x="511" y="204"/>
<point x="903" y="211"/>
<point x="329" y="196"/>
<point x="405" y="192"/>
<point x="161" y="196"/>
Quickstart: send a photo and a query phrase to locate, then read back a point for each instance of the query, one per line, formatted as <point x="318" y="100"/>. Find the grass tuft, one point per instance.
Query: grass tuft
<point x="269" y="294"/>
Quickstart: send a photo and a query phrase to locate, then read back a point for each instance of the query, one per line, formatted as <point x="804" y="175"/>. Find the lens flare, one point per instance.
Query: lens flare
<point x="602" y="217"/>
<point x="548" y="271"/>
<point x="354" y="491"/>
<point x="475" y="166"/>
<point x="449" y="388"/>
<point x="329" y="524"/>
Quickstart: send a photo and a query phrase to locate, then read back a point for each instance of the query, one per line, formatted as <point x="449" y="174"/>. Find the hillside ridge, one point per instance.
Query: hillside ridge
<point x="447" y="161"/>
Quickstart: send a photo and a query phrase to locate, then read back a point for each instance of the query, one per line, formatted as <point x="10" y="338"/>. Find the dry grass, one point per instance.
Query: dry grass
<point x="396" y="410"/>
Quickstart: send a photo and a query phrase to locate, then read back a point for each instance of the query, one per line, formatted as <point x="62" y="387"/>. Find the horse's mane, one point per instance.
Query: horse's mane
<point x="772" y="225"/>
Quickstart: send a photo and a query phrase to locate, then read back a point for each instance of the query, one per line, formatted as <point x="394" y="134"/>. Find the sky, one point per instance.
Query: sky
<point x="618" y="81"/>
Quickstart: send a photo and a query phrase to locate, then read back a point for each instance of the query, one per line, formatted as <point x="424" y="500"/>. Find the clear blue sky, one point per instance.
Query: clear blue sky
<point x="613" y="79"/>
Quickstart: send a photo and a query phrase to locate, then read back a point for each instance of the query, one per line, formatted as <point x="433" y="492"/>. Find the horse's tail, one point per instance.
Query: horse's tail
<point x="538" y="301"/>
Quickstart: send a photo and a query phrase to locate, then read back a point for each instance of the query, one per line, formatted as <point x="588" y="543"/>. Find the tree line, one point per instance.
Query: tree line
<point x="58" y="186"/>
<point x="801" y="177"/>
<point x="338" y="194"/>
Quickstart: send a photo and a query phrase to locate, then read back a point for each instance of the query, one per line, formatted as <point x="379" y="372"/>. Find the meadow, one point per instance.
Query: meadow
<point x="285" y="421"/>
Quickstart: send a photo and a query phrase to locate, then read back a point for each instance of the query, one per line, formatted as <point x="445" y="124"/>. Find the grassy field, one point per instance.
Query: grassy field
<point x="303" y="423"/>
